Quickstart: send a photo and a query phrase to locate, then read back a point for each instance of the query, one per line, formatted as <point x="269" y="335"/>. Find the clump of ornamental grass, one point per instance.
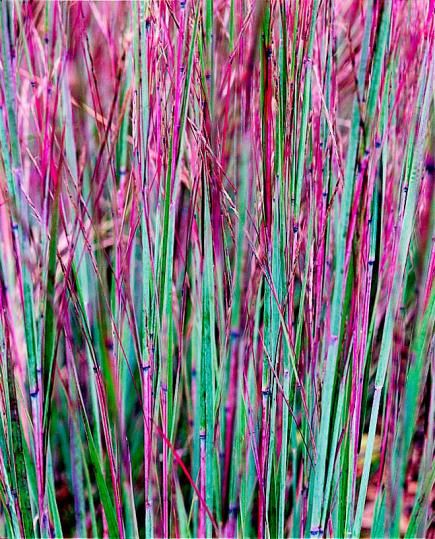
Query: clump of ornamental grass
<point x="217" y="266"/>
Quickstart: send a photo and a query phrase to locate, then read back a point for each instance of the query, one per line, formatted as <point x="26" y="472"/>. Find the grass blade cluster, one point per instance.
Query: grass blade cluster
<point x="217" y="295"/>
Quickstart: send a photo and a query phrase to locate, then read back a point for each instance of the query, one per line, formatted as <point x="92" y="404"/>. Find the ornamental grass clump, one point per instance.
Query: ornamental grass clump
<point x="217" y="264"/>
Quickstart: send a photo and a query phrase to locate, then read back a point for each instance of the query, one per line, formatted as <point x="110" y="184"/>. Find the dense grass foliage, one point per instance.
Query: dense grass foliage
<point x="217" y="299"/>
